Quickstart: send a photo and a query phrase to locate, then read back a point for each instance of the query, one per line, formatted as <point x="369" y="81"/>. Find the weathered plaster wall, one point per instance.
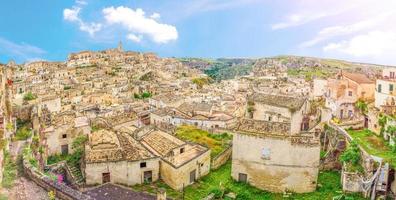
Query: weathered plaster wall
<point x="177" y="177"/>
<point x="288" y="167"/>
<point x="128" y="173"/>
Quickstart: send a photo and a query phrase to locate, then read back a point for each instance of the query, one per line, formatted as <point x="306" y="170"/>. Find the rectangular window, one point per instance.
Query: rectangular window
<point x="265" y="153"/>
<point x="350" y="93"/>
<point x="269" y="118"/>
<point x="379" y="88"/>
<point x="143" y="164"/>
<point x="391" y="74"/>
<point x="390" y="87"/>
<point x="64" y="136"/>
<point x="242" y="177"/>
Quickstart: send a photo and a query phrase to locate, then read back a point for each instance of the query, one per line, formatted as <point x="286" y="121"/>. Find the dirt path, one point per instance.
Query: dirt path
<point x="23" y="189"/>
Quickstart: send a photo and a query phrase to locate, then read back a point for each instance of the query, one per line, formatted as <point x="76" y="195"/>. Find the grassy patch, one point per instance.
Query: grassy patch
<point x="215" y="142"/>
<point x="374" y="145"/>
<point x="52" y="159"/>
<point x="9" y="172"/>
<point x="308" y="73"/>
<point x="3" y="197"/>
<point x="220" y="180"/>
<point x="23" y="133"/>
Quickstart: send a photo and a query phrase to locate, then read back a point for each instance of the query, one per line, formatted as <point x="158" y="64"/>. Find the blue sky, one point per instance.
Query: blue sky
<point x="356" y="30"/>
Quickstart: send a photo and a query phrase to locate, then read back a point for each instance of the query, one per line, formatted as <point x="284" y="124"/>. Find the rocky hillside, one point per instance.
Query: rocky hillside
<point x="304" y="67"/>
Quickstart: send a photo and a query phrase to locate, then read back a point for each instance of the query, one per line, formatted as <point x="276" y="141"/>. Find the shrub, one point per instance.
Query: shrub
<point x="217" y="193"/>
<point x="51" y="195"/>
<point x="146" y="95"/>
<point x="351" y="157"/>
<point x="9" y="171"/>
<point x="23" y="133"/>
<point x="29" y="96"/>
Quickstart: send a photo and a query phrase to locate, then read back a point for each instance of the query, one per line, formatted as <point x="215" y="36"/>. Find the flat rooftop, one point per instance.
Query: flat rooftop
<point x="114" y="192"/>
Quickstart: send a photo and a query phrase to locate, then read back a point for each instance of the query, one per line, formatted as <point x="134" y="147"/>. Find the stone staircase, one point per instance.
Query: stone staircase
<point x="78" y="178"/>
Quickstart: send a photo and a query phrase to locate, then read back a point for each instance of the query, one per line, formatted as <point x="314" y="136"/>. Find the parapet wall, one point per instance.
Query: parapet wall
<point x="222" y="158"/>
<point x="61" y="190"/>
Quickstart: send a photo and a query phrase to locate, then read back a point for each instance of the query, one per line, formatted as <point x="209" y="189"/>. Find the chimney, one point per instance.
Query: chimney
<point x="161" y="194"/>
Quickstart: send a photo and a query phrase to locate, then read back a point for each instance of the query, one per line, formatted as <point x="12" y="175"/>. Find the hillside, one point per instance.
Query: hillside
<point x="296" y="66"/>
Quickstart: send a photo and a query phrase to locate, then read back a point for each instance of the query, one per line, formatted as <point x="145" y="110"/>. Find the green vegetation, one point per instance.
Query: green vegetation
<point x="308" y="73"/>
<point x="200" y="82"/>
<point x="217" y="143"/>
<point x="9" y="172"/>
<point x="29" y="96"/>
<point x="3" y="197"/>
<point x="95" y="128"/>
<point x="66" y="87"/>
<point x="351" y="157"/>
<point x="78" y="147"/>
<point x="23" y="133"/>
<point x="374" y="145"/>
<point x="52" y="159"/>
<point x="224" y="69"/>
<point x="143" y="95"/>
<point x="220" y="182"/>
<point x="74" y="158"/>
<point x="362" y="106"/>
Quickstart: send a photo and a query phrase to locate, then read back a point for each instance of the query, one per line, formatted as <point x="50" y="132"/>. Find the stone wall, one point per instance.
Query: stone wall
<point x="358" y="124"/>
<point x="275" y="164"/>
<point x="351" y="182"/>
<point x="179" y="177"/>
<point x="222" y="158"/>
<point x="62" y="191"/>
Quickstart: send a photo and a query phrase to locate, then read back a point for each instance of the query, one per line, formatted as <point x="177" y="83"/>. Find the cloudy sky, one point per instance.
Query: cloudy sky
<point x="356" y="30"/>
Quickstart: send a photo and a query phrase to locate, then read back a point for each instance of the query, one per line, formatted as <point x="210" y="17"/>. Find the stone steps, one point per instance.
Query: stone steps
<point x="76" y="174"/>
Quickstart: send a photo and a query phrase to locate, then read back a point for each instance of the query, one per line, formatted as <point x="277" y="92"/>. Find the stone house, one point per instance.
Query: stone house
<point x="60" y="135"/>
<point x="118" y="158"/>
<point x="182" y="163"/>
<point x="274" y="149"/>
<point x="345" y="90"/>
<point x="197" y="114"/>
<point x="385" y="94"/>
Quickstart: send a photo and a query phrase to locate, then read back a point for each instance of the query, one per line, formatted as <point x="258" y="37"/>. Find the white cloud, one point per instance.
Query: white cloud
<point x="72" y="15"/>
<point x="20" y="51"/>
<point x="135" y="21"/>
<point x="372" y="44"/>
<point x="134" y="38"/>
<point x="381" y="20"/>
<point x="294" y="20"/>
<point x="155" y="16"/>
<point x="354" y="29"/>
<point x="81" y="2"/>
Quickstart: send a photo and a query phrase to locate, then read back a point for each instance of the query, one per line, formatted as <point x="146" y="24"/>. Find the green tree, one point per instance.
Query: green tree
<point x="362" y="106"/>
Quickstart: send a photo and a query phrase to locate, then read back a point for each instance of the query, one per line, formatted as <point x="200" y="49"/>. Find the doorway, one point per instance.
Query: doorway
<point x="148" y="177"/>
<point x="192" y="176"/>
<point x="105" y="177"/>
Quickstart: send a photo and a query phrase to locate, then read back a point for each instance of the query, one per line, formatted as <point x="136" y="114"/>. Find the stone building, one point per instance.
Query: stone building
<point x="343" y="92"/>
<point x="385" y="94"/>
<point x="182" y="163"/>
<point x="274" y="149"/>
<point x="118" y="158"/>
